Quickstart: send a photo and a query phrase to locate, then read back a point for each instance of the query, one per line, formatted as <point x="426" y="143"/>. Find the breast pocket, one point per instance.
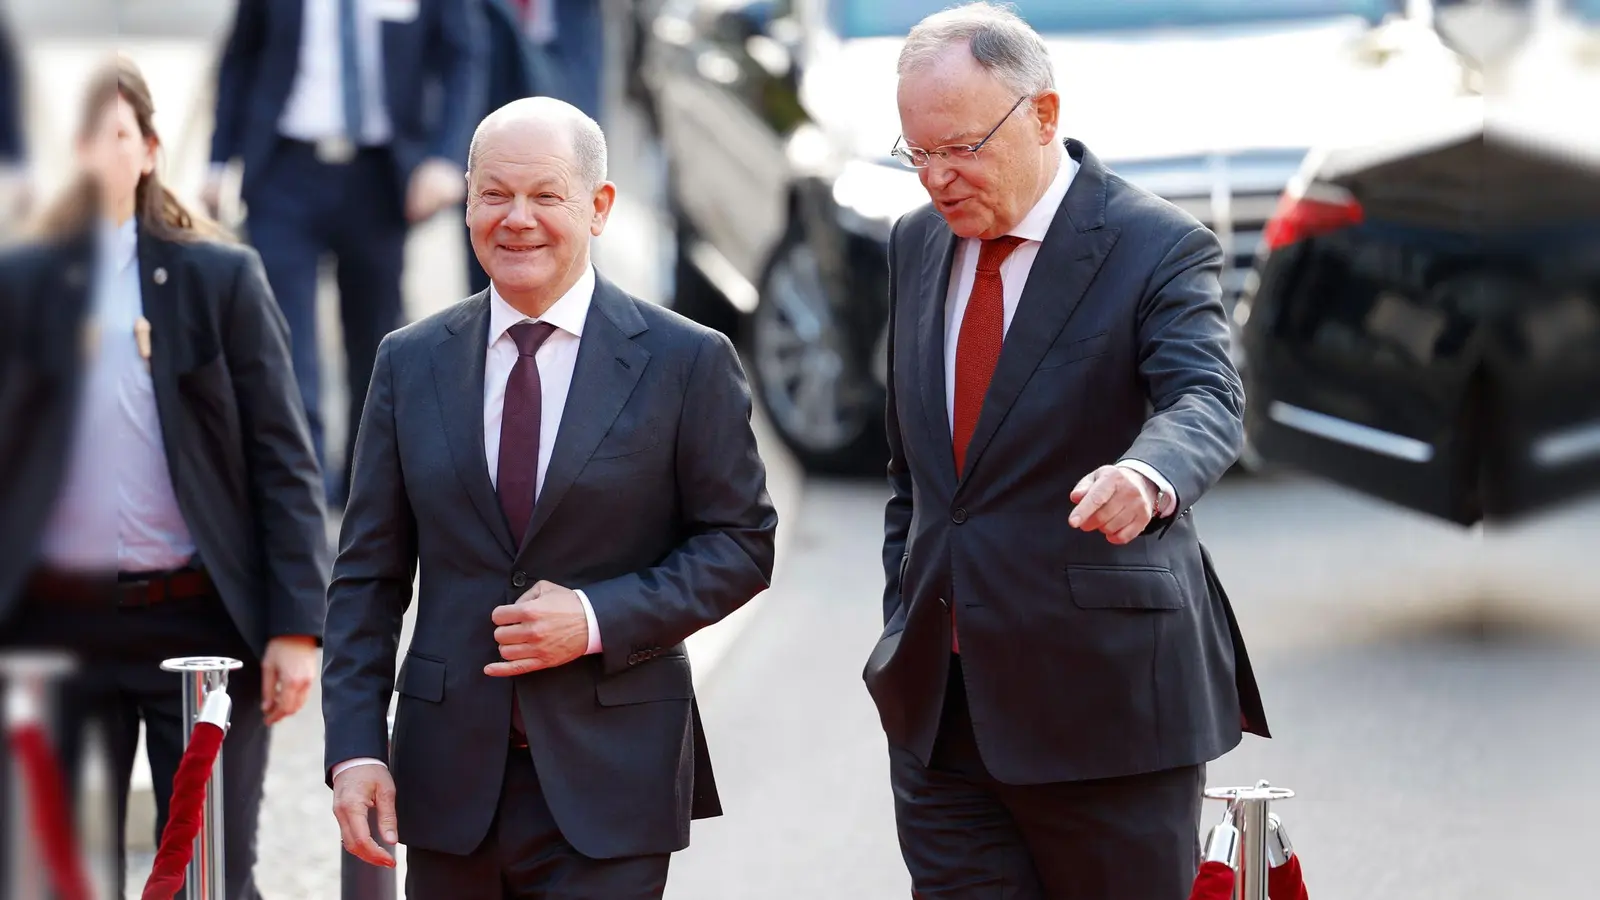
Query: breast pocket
<point x="1067" y="352"/>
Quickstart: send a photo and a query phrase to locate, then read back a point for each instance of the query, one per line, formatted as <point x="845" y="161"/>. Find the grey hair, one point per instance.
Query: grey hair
<point x="588" y="140"/>
<point x="1000" y="41"/>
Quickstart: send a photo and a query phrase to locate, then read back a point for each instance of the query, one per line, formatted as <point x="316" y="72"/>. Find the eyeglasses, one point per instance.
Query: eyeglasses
<point x="918" y="158"/>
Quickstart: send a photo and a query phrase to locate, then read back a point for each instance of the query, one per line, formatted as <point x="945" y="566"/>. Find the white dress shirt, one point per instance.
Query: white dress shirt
<point x="118" y="509"/>
<point x="557" y="358"/>
<point x="315" y="108"/>
<point x="1014" y="277"/>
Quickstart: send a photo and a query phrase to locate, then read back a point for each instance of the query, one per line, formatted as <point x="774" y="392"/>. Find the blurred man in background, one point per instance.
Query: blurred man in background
<point x="515" y="68"/>
<point x="161" y="498"/>
<point x="1057" y="664"/>
<point x="351" y="119"/>
<point x="572" y="34"/>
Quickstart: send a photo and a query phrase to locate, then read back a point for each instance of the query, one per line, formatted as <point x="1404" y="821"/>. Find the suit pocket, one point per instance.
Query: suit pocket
<point x="1073" y="351"/>
<point x="421" y="677"/>
<point x="663" y="678"/>
<point x="1124" y="587"/>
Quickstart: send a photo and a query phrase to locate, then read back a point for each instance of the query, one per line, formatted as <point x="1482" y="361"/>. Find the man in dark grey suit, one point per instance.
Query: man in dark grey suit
<point x="575" y="472"/>
<point x="1058" y="663"/>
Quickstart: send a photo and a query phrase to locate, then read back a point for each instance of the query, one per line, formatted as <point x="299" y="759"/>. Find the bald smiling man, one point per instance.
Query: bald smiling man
<point x="574" y="471"/>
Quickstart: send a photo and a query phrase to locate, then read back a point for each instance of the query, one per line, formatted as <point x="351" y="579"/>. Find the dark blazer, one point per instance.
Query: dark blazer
<point x="515" y="67"/>
<point x="432" y="76"/>
<point x="654" y="504"/>
<point x="235" y="433"/>
<point x="1082" y="659"/>
<point x="12" y="145"/>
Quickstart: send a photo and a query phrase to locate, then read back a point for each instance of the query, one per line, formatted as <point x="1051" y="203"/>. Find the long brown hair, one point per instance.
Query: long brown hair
<point x="159" y="212"/>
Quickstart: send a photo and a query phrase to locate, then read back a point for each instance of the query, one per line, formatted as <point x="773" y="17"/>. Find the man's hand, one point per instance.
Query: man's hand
<point x="1115" y="500"/>
<point x="356" y="791"/>
<point x="545" y="628"/>
<point x="287" y="670"/>
<point x="435" y="185"/>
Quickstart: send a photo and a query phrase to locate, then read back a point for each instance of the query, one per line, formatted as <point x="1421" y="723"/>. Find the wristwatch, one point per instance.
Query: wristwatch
<point x="1161" y="500"/>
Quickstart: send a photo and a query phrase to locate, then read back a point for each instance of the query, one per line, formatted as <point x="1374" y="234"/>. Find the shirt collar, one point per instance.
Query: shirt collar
<point x="1037" y="222"/>
<point x="567" y="314"/>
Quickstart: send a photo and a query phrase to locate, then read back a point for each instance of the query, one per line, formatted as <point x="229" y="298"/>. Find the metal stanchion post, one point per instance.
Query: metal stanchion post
<point x="201" y="676"/>
<point x="29" y="678"/>
<point x="360" y="880"/>
<point x="1251" y="807"/>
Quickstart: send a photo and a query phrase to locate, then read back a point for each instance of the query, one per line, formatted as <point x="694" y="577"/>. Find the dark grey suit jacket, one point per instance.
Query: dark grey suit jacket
<point x="1082" y="659"/>
<point x="654" y="504"/>
<point x="234" y="430"/>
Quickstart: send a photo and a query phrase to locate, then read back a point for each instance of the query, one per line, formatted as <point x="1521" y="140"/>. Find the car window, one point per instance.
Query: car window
<point x="893" y="18"/>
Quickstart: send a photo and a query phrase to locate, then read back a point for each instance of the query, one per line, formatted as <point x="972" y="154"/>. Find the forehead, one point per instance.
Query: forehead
<point x="529" y="158"/>
<point x="944" y="103"/>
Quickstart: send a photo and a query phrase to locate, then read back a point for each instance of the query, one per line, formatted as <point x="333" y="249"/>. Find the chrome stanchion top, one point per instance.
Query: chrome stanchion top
<point x="1262" y="790"/>
<point x="201" y="664"/>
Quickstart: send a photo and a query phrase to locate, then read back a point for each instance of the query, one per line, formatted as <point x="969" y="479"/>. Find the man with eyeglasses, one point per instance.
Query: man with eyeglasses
<point x="1059" y="661"/>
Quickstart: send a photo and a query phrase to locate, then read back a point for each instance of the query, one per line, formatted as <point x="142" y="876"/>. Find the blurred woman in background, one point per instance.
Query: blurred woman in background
<point x="160" y="495"/>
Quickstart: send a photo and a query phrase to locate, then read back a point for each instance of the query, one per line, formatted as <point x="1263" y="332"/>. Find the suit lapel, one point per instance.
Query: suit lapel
<point x="608" y="369"/>
<point x="938" y="259"/>
<point x="458" y="363"/>
<point x="161" y="292"/>
<point x="1070" y="256"/>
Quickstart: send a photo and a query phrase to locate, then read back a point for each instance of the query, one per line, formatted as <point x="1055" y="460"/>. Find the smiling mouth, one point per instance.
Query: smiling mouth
<point x="521" y="248"/>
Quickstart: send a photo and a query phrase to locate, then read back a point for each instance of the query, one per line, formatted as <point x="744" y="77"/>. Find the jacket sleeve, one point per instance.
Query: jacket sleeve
<point x="285" y="479"/>
<point x="897" y="513"/>
<point x="1196" y="429"/>
<point x="236" y="75"/>
<point x="461" y="54"/>
<point x="727" y="556"/>
<point x="371" y="587"/>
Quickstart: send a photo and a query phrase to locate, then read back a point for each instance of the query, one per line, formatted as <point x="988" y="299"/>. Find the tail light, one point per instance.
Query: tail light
<point x="1306" y="213"/>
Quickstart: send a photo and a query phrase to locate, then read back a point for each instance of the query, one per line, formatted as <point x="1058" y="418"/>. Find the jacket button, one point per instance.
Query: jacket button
<point x="959" y="516"/>
<point x="519" y="579"/>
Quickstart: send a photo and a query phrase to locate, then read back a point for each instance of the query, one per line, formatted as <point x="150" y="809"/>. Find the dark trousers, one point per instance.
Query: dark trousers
<point x="524" y="857"/>
<point x="966" y="836"/>
<point x="120" y="683"/>
<point x="301" y="209"/>
<point x="578" y="55"/>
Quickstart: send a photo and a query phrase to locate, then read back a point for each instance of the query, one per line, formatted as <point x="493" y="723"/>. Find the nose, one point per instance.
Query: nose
<point x="938" y="174"/>
<point x="520" y="215"/>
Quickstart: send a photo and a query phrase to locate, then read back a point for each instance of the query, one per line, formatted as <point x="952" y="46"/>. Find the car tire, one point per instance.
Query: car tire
<point x="825" y="407"/>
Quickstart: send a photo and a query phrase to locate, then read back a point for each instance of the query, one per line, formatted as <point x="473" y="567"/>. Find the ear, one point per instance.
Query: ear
<point x="1047" y="113"/>
<point x="605" y="196"/>
<point x="152" y="150"/>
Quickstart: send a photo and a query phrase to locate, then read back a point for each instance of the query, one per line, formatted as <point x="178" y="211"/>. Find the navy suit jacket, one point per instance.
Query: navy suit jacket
<point x="654" y="505"/>
<point x="11" y="143"/>
<point x="1083" y="659"/>
<point x="433" y="75"/>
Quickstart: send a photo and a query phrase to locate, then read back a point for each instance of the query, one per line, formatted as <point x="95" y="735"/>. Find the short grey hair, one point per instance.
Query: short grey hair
<point x="999" y="39"/>
<point x="588" y="139"/>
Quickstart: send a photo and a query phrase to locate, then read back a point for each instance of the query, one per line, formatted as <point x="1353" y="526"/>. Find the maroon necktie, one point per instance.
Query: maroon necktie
<point x="518" y="473"/>
<point x="983" y="330"/>
<point x="518" y="470"/>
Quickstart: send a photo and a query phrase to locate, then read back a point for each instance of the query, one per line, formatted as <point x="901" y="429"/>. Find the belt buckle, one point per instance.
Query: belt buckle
<point x="335" y="151"/>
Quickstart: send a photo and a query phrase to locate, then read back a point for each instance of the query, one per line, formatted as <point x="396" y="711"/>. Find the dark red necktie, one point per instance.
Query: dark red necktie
<point x="518" y="471"/>
<point x="983" y="330"/>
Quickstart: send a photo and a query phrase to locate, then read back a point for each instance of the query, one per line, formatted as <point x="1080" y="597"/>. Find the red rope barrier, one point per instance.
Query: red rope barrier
<point x="1285" y="882"/>
<point x="49" y="811"/>
<point x="185" y="813"/>
<point x="1214" y="882"/>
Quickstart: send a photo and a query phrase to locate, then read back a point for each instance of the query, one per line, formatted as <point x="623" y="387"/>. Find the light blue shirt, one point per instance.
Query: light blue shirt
<point x="117" y="509"/>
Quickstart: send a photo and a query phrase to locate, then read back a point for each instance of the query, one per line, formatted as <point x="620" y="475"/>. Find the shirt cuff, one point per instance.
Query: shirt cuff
<point x="359" y="761"/>
<point x="1169" y="499"/>
<point x="594" y="627"/>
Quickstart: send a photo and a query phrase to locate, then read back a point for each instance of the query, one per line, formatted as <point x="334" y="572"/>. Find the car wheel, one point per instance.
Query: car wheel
<point x="827" y="409"/>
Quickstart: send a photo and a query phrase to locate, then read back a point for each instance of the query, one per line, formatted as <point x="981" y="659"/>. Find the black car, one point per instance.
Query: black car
<point x="1425" y="324"/>
<point x="777" y="118"/>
